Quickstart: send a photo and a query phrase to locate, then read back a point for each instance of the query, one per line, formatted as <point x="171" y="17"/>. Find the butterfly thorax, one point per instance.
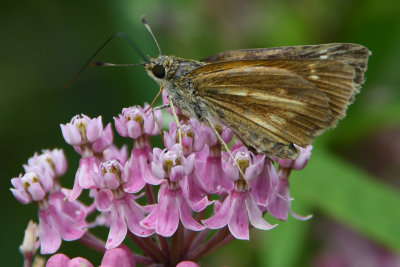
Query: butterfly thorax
<point x="170" y="73"/>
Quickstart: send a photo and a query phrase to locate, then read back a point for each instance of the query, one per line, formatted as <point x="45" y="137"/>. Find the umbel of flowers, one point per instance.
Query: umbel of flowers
<point x="165" y="200"/>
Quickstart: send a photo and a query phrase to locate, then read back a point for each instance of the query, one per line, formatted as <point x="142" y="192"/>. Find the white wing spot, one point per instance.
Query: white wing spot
<point x="323" y="57"/>
<point x="313" y="77"/>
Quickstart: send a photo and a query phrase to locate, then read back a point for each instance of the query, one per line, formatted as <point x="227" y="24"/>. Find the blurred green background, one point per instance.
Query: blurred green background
<point x="351" y="184"/>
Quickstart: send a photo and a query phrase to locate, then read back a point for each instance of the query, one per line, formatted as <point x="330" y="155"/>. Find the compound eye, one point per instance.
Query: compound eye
<point x="159" y="71"/>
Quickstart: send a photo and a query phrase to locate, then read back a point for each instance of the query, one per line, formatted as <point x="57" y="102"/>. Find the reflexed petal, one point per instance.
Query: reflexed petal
<point x="279" y="203"/>
<point x="118" y="228"/>
<point x="239" y="221"/>
<point x="168" y="215"/>
<point x="185" y="214"/>
<point x="65" y="225"/>
<point x="221" y="217"/>
<point x="86" y="167"/>
<point x="134" y="213"/>
<point x="255" y="214"/>
<point x="263" y="186"/>
<point x="146" y="169"/>
<point x="50" y="239"/>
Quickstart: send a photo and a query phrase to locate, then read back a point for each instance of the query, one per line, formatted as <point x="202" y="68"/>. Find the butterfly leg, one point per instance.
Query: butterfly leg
<point x="223" y="143"/>
<point x="179" y="131"/>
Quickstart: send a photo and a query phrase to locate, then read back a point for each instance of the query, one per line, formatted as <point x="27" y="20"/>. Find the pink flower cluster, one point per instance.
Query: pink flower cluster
<point x="154" y="194"/>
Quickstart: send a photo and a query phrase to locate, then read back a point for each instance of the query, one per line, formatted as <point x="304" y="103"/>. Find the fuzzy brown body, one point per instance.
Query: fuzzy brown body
<point x="271" y="98"/>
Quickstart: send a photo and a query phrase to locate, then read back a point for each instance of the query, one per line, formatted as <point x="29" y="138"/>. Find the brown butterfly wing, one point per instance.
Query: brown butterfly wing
<point x="272" y="104"/>
<point x="354" y="55"/>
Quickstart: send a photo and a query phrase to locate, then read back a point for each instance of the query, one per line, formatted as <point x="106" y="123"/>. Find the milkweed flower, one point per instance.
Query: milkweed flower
<point x="239" y="207"/>
<point x="152" y="194"/>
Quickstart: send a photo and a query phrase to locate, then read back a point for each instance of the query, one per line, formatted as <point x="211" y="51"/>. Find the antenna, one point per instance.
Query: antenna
<point x="108" y="64"/>
<point x="151" y="32"/>
<point x="89" y="61"/>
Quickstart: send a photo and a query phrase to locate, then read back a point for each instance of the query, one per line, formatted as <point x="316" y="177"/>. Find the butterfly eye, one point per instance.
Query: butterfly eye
<point x="159" y="71"/>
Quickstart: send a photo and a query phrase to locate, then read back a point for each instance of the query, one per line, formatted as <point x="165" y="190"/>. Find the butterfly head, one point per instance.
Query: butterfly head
<point x="159" y="68"/>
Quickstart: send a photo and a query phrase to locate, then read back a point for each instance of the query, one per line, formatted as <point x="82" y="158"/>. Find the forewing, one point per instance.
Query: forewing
<point x="267" y="105"/>
<point x="354" y="55"/>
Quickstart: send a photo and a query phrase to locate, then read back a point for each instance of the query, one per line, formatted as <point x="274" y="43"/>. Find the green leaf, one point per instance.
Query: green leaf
<point x="350" y="196"/>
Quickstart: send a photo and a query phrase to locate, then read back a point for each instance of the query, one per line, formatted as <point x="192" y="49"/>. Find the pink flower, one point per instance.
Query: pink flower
<point x="250" y="164"/>
<point x="208" y="166"/>
<point x="212" y="140"/>
<point x="112" y="152"/>
<point x="82" y="130"/>
<point x="279" y="201"/>
<point x="138" y="169"/>
<point x="135" y="122"/>
<point x="50" y="162"/>
<point x="265" y="184"/>
<point x="59" y="219"/>
<point x="193" y="138"/>
<point x="61" y="260"/>
<point x="300" y="162"/>
<point x="125" y="213"/>
<point x="239" y="207"/>
<point x="118" y="257"/>
<point x="236" y="211"/>
<point x="172" y="207"/>
<point x="28" y="188"/>
<point x="83" y="176"/>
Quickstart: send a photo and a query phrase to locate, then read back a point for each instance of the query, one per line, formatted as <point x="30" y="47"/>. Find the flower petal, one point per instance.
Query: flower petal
<point x="168" y="214"/>
<point x="50" y="239"/>
<point x="118" y="228"/>
<point x="220" y="217"/>
<point x="239" y="221"/>
<point x="185" y="214"/>
<point x="255" y="214"/>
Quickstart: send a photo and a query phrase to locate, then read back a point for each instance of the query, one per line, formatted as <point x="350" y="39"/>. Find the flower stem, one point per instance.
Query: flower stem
<point x="139" y="259"/>
<point x="177" y="242"/>
<point x="149" y="194"/>
<point x="192" y="234"/>
<point x="93" y="242"/>
<point x="148" y="247"/>
<point x="200" y="238"/>
<point x="209" y="245"/>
